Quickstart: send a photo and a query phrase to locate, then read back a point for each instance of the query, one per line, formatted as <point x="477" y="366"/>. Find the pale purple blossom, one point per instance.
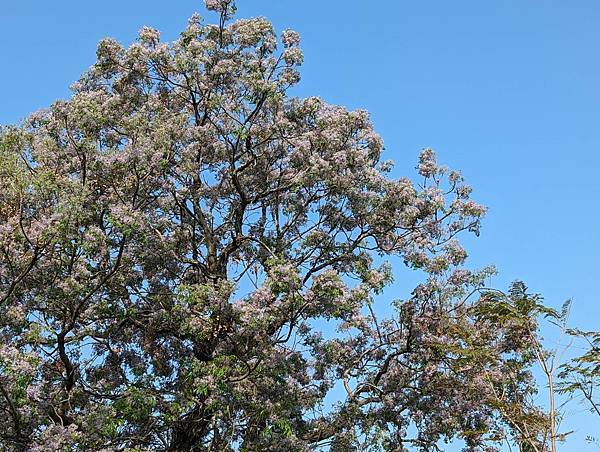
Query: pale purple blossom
<point x="290" y="38"/>
<point x="427" y="163"/>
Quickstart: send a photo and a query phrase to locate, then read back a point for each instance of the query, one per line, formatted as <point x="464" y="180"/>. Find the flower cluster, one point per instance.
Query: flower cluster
<point x="290" y="38"/>
<point x="427" y="165"/>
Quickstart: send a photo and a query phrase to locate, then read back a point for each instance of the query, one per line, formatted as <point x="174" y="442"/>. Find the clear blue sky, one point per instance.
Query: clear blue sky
<point x="506" y="91"/>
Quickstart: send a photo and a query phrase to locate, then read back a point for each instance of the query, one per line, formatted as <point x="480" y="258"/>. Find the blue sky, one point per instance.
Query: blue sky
<point x="506" y="91"/>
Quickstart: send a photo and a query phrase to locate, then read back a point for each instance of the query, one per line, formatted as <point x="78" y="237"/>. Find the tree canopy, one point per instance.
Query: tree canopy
<point x="189" y="258"/>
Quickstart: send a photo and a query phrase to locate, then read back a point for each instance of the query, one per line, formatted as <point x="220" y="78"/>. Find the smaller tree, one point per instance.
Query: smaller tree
<point x="519" y="313"/>
<point x="579" y="378"/>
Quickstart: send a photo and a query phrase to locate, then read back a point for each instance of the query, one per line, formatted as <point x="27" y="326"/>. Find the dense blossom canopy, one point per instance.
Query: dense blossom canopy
<point x="189" y="258"/>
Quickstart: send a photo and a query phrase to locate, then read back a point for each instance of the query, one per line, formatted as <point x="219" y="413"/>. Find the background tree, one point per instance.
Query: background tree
<point x="174" y="238"/>
<point x="579" y="378"/>
<point x="521" y="312"/>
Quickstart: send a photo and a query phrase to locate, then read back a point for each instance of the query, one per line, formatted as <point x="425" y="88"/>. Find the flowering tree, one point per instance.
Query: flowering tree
<point x="174" y="238"/>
